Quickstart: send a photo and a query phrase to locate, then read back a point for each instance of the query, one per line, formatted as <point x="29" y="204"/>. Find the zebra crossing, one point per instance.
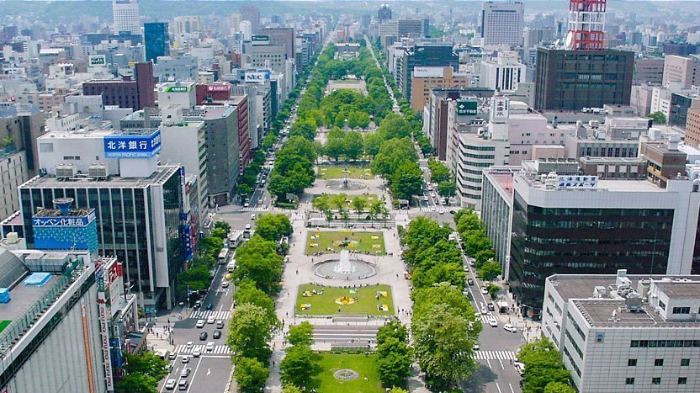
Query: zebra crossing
<point x="494" y="355"/>
<point x="255" y="209"/>
<point x="183" y="349"/>
<point x="224" y="315"/>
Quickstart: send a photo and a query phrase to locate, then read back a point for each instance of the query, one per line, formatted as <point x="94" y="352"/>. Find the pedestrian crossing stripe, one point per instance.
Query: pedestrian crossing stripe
<point x="255" y="209"/>
<point x="494" y="355"/>
<point x="182" y="349"/>
<point x="218" y="315"/>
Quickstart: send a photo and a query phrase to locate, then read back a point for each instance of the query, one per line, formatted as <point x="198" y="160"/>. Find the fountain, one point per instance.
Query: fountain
<point x="344" y="266"/>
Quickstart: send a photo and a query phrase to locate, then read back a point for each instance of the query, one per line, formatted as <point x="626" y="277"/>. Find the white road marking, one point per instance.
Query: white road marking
<point x="499" y="388"/>
<point x="199" y="361"/>
<point x="511" y="388"/>
<point x="499" y="361"/>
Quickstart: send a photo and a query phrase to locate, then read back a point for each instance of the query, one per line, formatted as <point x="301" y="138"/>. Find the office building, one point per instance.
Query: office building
<point x="384" y="13"/>
<point x="13" y="173"/>
<point x="682" y="70"/>
<point x="503" y="74"/>
<point x="23" y="124"/>
<point x="423" y="55"/>
<point x="578" y="224"/>
<point x="187" y="25"/>
<point x="141" y="216"/>
<point x="176" y="69"/>
<point x="502" y="23"/>
<point x="282" y="36"/>
<point x="625" y="333"/>
<point x="425" y="79"/>
<point x="648" y="71"/>
<point x="251" y="14"/>
<point x="576" y="79"/>
<point x="156" y="40"/>
<point x="692" y="128"/>
<point x="136" y="93"/>
<point x="640" y="99"/>
<point x="126" y="16"/>
<point x="435" y="114"/>
<point x="681" y="102"/>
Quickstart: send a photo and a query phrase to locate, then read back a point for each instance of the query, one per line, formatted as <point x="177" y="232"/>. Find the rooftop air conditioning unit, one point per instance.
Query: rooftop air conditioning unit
<point x="65" y="171"/>
<point x="98" y="171"/>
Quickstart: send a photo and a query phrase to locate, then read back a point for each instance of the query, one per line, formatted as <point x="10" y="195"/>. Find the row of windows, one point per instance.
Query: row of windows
<point x="665" y="344"/>
<point x="657" y="362"/>
<point x="657" y="381"/>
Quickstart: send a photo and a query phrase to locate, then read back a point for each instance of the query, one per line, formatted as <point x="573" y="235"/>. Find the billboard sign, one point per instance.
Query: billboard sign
<point x="577" y="181"/>
<point x="215" y="88"/>
<point x="104" y="333"/>
<point x="63" y="222"/>
<point x="500" y="110"/>
<point x="428" y="72"/>
<point x="260" y="38"/>
<point x="132" y="146"/>
<point x="259" y="76"/>
<point x="467" y="108"/>
<point x="177" y="89"/>
<point x="97" y="61"/>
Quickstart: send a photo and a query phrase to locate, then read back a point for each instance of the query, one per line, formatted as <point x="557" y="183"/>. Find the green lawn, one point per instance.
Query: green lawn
<point x="338" y="172"/>
<point x="369" y="199"/>
<point x="325" y="304"/>
<point x="4" y="324"/>
<point x="366" y="366"/>
<point x="362" y="242"/>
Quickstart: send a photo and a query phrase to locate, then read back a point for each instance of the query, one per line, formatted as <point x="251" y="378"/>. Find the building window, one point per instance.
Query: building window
<point x="662" y="305"/>
<point x="656" y="381"/>
<point x="681" y="310"/>
<point x="685" y="362"/>
<point x="682" y="381"/>
<point x="631" y="362"/>
<point x="658" y="362"/>
<point x="629" y="381"/>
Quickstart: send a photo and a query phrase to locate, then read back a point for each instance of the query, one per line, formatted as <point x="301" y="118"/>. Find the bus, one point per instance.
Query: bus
<point x="235" y="239"/>
<point x="223" y="256"/>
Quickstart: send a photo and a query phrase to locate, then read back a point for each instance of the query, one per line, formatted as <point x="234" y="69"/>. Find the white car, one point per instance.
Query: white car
<point x="209" y="347"/>
<point x="190" y="344"/>
<point x="475" y="347"/>
<point x="224" y="284"/>
<point x="253" y="216"/>
<point x="196" y="353"/>
<point x="520" y="367"/>
<point x="185" y="372"/>
<point x="246" y="204"/>
<point x="510" y="328"/>
<point x="484" y="311"/>
<point x="441" y="211"/>
<point x="170" y="384"/>
<point x="492" y="321"/>
<point x="432" y="208"/>
<point x="185" y="359"/>
<point x="200" y="323"/>
<point x="211" y="320"/>
<point x="484" y="291"/>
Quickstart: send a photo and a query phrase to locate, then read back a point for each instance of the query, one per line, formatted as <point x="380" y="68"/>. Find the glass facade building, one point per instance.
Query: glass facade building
<point x="156" y="40"/>
<point x="573" y="240"/>
<point x="140" y="221"/>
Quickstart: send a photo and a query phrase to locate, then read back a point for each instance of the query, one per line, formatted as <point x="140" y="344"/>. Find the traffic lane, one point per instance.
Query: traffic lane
<point x="493" y="376"/>
<point x="178" y="365"/>
<point x="212" y="375"/>
<point x="499" y="339"/>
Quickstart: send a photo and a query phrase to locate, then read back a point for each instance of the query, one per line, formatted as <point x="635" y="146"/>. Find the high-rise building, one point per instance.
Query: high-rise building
<point x="187" y="25"/>
<point x="575" y="79"/>
<point x="423" y="55"/>
<point x="682" y="70"/>
<point x="502" y="23"/>
<point x="384" y="13"/>
<point x="625" y="333"/>
<point x="156" y="40"/>
<point x="578" y="224"/>
<point x="126" y="16"/>
<point x="425" y="79"/>
<point x="584" y="74"/>
<point x="648" y="71"/>
<point x="251" y="13"/>
<point x="282" y="36"/>
<point x="503" y="74"/>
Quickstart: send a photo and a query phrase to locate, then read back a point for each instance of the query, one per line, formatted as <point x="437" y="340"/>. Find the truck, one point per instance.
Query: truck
<point x="231" y="266"/>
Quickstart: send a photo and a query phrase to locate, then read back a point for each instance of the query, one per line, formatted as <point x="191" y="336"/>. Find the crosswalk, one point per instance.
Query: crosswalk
<point x="223" y="315"/>
<point x="494" y="355"/>
<point x="255" y="209"/>
<point x="182" y="349"/>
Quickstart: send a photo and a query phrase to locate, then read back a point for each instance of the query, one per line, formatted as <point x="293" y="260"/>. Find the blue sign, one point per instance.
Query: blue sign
<point x="62" y="222"/>
<point x="132" y="146"/>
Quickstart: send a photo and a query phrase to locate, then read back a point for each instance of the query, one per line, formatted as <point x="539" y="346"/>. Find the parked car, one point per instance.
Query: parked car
<point x="172" y="356"/>
<point x="224" y="284"/>
<point x="203" y="336"/>
<point x="200" y="323"/>
<point x="475" y="347"/>
<point x="217" y="334"/>
<point x="484" y="291"/>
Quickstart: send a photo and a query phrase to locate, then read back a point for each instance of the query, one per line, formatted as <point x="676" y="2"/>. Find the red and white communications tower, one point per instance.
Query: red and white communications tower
<point x="586" y="25"/>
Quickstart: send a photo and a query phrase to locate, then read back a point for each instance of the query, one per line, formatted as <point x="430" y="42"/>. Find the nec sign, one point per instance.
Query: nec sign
<point x="257" y="76"/>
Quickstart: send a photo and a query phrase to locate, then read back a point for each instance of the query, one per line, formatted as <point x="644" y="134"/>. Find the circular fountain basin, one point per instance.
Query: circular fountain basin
<point x="358" y="270"/>
<point x="340" y="185"/>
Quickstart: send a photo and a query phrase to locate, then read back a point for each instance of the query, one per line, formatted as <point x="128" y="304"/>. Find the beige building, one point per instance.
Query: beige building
<point x="692" y="128"/>
<point x="683" y="70"/>
<point x="426" y="78"/>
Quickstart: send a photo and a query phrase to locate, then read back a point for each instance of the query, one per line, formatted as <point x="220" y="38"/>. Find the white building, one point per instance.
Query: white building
<point x="472" y="146"/>
<point x="187" y="25"/>
<point x="126" y="16"/>
<point x="503" y="74"/>
<point x="621" y="333"/>
<point x="176" y="69"/>
<point x="13" y="172"/>
<point x="182" y="94"/>
<point x="502" y="23"/>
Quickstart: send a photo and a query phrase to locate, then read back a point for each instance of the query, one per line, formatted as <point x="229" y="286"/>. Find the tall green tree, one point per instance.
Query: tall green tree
<point x="273" y="226"/>
<point x="251" y="375"/>
<point x="257" y="260"/>
<point x="393" y="362"/>
<point x="543" y="365"/>
<point x="353" y="145"/>
<point x="447" y="189"/>
<point x="249" y="332"/>
<point x="142" y="373"/>
<point x="300" y="368"/>
<point x="359" y="204"/>
<point x="490" y="270"/>
<point x="407" y="180"/>
<point x="443" y="347"/>
<point x="301" y="334"/>
<point x="246" y="292"/>
<point x="334" y="148"/>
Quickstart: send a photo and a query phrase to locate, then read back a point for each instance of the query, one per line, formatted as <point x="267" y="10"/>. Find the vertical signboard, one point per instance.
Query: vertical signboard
<point x="104" y="334"/>
<point x="499" y="110"/>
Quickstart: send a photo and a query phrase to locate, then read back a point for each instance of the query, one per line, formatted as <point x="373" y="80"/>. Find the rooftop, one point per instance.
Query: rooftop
<point x="57" y="213"/>
<point x="163" y="173"/>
